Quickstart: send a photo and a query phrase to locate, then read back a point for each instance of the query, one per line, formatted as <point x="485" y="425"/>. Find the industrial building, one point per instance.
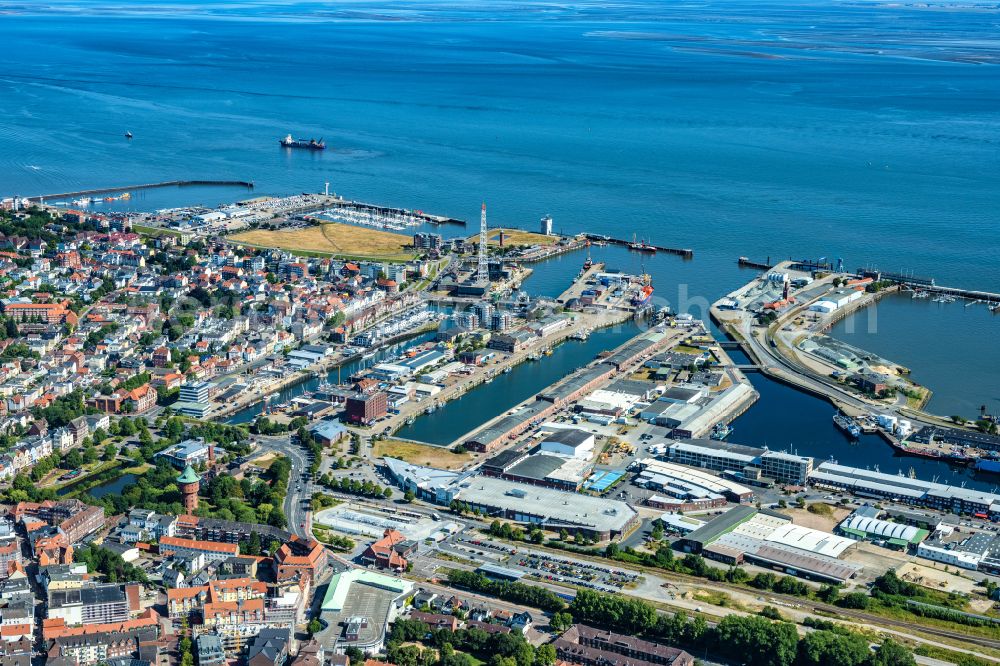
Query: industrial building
<point x="769" y="539"/>
<point x="978" y="552"/>
<point x="570" y="442"/>
<point x="539" y="468"/>
<point x="691" y="412"/>
<point x="689" y="485"/>
<point x="508" y="427"/>
<point x="899" y="488"/>
<point x="634" y="350"/>
<point x="754" y="463"/>
<point x="612" y="403"/>
<point x="596" y="517"/>
<point x="865" y="524"/>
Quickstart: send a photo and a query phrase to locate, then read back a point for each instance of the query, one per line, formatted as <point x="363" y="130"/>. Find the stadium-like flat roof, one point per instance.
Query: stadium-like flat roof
<point x="551" y="505"/>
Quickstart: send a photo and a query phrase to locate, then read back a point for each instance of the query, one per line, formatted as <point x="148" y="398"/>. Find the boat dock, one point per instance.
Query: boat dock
<point x="685" y="253"/>
<point x="390" y="212"/>
<point x="248" y="184"/>
<point x="750" y="263"/>
<point x="969" y="294"/>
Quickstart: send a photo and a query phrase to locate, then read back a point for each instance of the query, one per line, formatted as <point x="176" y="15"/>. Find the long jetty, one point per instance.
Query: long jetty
<point x="685" y="253"/>
<point x="921" y="283"/>
<point x="248" y="184"/>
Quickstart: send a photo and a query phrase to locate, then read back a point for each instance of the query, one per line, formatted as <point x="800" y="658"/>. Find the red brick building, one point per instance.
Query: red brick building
<point x="366" y="408"/>
<point x="389" y="552"/>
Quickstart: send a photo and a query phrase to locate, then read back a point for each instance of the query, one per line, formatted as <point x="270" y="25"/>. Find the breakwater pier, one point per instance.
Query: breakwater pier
<point x="248" y="184"/>
<point x="685" y="253"/>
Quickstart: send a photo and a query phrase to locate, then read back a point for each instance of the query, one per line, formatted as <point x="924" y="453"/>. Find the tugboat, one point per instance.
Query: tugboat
<point x="721" y="431"/>
<point x="847" y="425"/>
<point x="311" y="144"/>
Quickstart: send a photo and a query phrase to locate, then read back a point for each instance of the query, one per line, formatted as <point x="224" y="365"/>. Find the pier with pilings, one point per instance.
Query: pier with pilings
<point x="685" y="253"/>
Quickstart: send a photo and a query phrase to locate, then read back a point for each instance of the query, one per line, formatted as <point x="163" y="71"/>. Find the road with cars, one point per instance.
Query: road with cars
<point x="298" y="499"/>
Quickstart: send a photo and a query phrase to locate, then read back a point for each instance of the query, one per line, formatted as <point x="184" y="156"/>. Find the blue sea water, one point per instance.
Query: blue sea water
<point x="862" y="130"/>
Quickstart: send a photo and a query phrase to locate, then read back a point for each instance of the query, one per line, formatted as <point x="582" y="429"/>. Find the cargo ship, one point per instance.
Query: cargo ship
<point x="988" y="463"/>
<point x="955" y="455"/>
<point x="311" y="144"/>
<point x="847" y="425"/>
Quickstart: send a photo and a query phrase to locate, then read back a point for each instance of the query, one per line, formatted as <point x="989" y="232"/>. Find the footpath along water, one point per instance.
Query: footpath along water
<point x="488" y="401"/>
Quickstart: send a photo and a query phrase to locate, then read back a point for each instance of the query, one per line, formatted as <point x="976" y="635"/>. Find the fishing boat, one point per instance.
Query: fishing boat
<point x="847" y="425"/>
<point x="721" y="431"/>
<point x="641" y="246"/>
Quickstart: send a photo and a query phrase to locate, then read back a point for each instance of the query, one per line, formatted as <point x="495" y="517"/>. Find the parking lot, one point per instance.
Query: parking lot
<point x="552" y="567"/>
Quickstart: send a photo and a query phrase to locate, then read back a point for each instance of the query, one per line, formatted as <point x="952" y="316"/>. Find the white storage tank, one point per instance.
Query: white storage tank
<point x="887" y="421"/>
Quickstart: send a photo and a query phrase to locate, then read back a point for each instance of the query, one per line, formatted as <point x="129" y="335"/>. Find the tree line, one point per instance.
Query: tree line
<point x="750" y="640"/>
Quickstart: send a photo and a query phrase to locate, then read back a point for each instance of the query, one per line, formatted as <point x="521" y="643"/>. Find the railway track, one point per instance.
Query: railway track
<point x="818" y="608"/>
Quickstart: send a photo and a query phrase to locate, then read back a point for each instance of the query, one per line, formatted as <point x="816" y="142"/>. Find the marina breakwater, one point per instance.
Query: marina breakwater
<point x="248" y="184"/>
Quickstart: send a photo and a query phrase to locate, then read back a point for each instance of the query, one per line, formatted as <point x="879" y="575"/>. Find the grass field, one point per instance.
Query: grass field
<point x="334" y="239"/>
<point x="154" y="231"/>
<point x="516" y="237"/>
<point x="419" y="454"/>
